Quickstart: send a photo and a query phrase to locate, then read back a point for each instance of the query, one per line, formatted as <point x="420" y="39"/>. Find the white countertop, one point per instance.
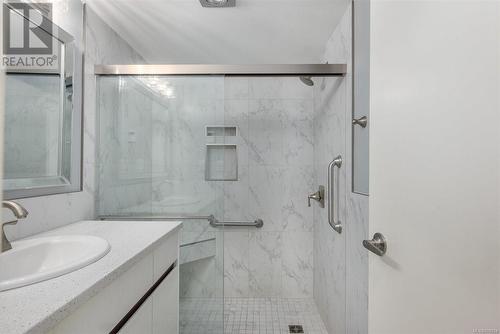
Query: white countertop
<point x="38" y="307"/>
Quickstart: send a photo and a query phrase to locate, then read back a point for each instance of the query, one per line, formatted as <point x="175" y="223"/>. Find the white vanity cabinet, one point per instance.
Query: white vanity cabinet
<point x="157" y="314"/>
<point x="142" y="300"/>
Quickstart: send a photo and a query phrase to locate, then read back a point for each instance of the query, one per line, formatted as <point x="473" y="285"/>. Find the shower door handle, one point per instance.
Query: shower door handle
<point x="336" y="225"/>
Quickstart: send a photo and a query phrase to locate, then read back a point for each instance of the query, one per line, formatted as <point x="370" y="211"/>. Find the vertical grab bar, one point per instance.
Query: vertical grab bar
<point x="336" y="225"/>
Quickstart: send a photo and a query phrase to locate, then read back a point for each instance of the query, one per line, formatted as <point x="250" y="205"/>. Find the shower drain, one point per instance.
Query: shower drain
<point x="296" y="328"/>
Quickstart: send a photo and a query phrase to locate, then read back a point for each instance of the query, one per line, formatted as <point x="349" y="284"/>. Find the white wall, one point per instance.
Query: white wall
<point x="434" y="166"/>
<point x="103" y="45"/>
<point x="255" y="31"/>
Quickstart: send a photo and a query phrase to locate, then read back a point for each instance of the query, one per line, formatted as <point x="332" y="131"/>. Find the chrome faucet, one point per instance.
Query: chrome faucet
<point x="19" y="212"/>
<point x="317" y="196"/>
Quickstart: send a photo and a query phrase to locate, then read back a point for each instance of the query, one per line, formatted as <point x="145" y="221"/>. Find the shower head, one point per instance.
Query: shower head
<point x="307" y="81"/>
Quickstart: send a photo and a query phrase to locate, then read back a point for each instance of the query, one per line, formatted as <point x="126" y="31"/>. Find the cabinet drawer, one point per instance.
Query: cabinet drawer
<point x="145" y="309"/>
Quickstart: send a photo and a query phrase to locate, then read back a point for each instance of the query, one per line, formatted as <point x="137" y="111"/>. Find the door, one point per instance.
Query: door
<point x="161" y="153"/>
<point x="330" y="245"/>
<point x="434" y="167"/>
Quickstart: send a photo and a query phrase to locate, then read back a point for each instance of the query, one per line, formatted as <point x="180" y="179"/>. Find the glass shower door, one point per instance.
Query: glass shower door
<point x="162" y="154"/>
<point x="187" y="161"/>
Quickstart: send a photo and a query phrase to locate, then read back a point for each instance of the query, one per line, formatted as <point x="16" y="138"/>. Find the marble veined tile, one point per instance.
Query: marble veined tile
<point x="266" y="195"/>
<point x="236" y="263"/>
<point x="297" y="184"/>
<point x="282" y="88"/>
<point x="265" y="264"/>
<point x="236" y="87"/>
<point x="297" y="257"/>
<point x="298" y="136"/>
<point x="266" y="126"/>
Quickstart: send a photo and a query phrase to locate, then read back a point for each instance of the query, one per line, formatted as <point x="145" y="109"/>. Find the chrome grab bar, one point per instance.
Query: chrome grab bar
<point x="336" y="225"/>
<point x="258" y="223"/>
<point x="155" y="218"/>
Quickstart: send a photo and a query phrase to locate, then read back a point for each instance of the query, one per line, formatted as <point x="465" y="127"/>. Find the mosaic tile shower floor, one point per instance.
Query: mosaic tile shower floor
<point x="249" y="316"/>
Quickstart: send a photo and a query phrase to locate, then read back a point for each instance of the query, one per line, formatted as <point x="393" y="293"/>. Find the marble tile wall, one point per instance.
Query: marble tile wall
<point x="275" y="147"/>
<point x="340" y="261"/>
<point x="274" y="120"/>
<point x="102" y="45"/>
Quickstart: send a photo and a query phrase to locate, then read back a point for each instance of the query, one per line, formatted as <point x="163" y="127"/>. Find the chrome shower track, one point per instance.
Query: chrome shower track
<point x="227" y="70"/>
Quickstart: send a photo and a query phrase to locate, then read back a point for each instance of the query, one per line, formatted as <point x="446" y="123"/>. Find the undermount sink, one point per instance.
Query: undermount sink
<point x="39" y="259"/>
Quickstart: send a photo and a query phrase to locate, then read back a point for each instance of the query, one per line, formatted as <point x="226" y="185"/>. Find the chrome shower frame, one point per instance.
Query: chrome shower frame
<point x="308" y="70"/>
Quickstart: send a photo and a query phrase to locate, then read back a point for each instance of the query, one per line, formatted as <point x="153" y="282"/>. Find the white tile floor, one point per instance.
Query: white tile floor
<point x="249" y="316"/>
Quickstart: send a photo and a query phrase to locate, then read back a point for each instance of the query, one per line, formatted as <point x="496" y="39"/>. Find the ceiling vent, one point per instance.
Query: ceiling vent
<point x="218" y="3"/>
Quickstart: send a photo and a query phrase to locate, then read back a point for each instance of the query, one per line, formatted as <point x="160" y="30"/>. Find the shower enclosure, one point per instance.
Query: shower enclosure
<point x="232" y="151"/>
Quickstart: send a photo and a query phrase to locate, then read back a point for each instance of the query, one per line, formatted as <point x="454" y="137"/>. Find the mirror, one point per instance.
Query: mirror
<point x="361" y="99"/>
<point x="43" y="94"/>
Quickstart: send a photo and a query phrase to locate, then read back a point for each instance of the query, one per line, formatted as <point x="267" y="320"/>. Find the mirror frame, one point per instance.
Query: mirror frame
<point x="75" y="182"/>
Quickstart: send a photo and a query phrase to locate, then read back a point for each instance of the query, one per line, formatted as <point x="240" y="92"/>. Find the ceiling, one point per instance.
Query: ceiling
<point x="255" y="31"/>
